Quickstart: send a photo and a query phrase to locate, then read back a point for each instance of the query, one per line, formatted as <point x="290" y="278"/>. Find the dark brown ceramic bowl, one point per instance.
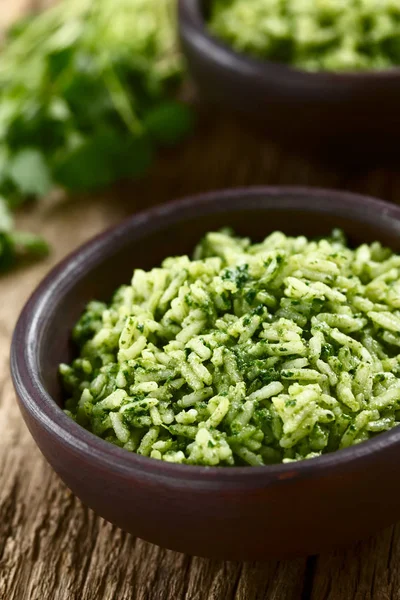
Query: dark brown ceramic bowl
<point x="333" y="111"/>
<point x="240" y="512"/>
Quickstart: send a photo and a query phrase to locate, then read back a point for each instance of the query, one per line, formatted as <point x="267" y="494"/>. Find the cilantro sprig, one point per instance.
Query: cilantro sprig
<point x="15" y="243"/>
<point x="87" y="96"/>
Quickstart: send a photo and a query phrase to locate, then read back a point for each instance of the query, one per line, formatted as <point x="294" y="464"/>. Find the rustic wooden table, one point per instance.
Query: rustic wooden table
<point x="54" y="548"/>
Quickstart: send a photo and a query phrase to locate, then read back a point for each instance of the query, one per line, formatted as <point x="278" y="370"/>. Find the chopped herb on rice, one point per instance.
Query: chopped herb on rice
<point x="249" y="354"/>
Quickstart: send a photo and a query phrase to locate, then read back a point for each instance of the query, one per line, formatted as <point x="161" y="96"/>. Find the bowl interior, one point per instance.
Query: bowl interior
<point x="97" y="269"/>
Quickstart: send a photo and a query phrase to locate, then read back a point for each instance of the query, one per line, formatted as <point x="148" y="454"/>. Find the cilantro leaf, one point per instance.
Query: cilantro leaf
<point x="30" y="172"/>
<point x="7" y="252"/>
<point x="169" y="122"/>
<point x="6" y="220"/>
<point x="29" y="243"/>
<point x="101" y="159"/>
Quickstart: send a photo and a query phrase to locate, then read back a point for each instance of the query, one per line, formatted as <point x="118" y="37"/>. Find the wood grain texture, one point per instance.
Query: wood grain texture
<point x="54" y="548"/>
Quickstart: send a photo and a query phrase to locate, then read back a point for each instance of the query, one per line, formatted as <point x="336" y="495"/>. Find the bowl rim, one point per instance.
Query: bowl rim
<point x="42" y="408"/>
<point x="191" y="20"/>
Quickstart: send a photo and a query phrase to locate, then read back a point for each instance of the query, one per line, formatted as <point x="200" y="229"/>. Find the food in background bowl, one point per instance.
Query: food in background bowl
<point x="247" y="354"/>
<point x="337" y="35"/>
<point x="335" y="113"/>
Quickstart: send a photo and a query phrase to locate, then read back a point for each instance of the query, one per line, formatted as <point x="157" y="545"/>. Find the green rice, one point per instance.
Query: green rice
<point x="247" y="354"/>
<point x="333" y="35"/>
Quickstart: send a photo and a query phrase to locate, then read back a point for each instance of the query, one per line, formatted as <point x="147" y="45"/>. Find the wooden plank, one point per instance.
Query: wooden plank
<point x="367" y="571"/>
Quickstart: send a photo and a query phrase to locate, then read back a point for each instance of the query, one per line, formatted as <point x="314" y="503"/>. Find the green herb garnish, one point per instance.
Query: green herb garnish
<point x="87" y="96"/>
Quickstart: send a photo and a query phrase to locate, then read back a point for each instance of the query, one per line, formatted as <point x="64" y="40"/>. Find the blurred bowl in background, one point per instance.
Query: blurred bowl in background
<point x="346" y="115"/>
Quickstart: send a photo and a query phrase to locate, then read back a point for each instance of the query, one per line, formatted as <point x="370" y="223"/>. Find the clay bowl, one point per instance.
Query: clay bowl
<point x="231" y="513"/>
<point x="337" y="113"/>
